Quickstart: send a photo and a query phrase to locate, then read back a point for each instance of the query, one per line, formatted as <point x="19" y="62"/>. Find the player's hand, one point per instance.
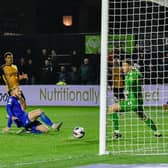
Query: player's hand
<point x="5" y="130"/>
<point x="23" y="76"/>
<point x="14" y="118"/>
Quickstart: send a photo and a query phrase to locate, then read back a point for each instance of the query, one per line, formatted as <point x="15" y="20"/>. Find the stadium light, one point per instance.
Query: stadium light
<point x="67" y="20"/>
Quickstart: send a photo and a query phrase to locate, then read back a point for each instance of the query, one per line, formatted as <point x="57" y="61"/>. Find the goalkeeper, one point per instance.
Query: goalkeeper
<point x="133" y="99"/>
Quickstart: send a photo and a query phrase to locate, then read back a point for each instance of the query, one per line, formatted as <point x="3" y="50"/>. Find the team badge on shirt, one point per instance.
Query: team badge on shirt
<point x="10" y="101"/>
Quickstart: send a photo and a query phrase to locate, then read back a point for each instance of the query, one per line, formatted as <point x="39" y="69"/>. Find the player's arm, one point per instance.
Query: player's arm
<point x="20" y="76"/>
<point x="137" y="78"/>
<point x="114" y="75"/>
<point x="4" y="78"/>
<point x="10" y="114"/>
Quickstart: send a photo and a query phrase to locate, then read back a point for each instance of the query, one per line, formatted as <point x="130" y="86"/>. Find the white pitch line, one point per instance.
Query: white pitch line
<point x="20" y="164"/>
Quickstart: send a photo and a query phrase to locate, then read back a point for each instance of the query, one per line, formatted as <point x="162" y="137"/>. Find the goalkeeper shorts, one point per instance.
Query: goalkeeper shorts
<point x="129" y="105"/>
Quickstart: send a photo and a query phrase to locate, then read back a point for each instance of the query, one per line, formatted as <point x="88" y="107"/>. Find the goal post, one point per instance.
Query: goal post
<point x="103" y="78"/>
<point x="138" y="30"/>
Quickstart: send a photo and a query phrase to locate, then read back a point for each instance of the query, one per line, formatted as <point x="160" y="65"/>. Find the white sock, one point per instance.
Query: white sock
<point x="53" y="126"/>
<point x="117" y="131"/>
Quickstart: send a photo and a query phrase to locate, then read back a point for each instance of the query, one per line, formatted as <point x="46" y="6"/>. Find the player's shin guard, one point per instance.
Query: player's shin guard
<point x="45" y="119"/>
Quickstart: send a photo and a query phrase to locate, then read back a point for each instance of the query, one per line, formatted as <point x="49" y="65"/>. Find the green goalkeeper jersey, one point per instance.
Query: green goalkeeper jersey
<point x="133" y="91"/>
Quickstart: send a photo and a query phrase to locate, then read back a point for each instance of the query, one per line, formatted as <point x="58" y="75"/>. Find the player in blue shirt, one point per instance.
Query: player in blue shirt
<point x="29" y="120"/>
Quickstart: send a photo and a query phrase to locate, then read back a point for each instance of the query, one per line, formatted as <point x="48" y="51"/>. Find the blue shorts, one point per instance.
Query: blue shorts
<point x="32" y="125"/>
<point x="29" y="125"/>
<point x="22" y="121"/>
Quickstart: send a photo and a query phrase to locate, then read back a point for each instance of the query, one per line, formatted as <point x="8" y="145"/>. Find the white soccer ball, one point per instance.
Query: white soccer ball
<point x="78" y="132"/>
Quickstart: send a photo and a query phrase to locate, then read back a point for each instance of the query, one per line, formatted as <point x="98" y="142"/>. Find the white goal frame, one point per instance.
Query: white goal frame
<point x="103" y="71"/>
<point x="103" y="76"/>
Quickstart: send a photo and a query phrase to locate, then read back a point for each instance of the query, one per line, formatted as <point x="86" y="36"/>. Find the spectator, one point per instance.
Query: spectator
<point x="85" y="72"/>
<point x="53" y="53"/>
<point x="43" y="56"/>
<point x="22" y="69"/>
<point x="22" y="65"/>
<point x="111" y="56"/>
<point x="62" y="75"/>
<point x="28" y="53"/>
<point x="30" y="72"/>
<point x="44" y="53"/>
<point x="118" y="80"/>
<point x="74" y="76"/>
<point x="47" y="72"/>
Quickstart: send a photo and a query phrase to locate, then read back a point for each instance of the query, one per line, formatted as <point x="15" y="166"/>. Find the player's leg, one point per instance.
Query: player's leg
<point x="37" y="127"/>
<point x="34" y="127"/>
<point x="121" y="94"/>
<point x="122" y="106"/>
<point x="116" y="95"/>
<point x="113" y="110"/>
<point x="38" y="113"/>
<point x="41" y="128"/>
<point x="149" y="122"/>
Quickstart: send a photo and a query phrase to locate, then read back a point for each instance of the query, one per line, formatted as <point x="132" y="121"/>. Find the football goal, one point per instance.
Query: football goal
<point x="134" y="77"/>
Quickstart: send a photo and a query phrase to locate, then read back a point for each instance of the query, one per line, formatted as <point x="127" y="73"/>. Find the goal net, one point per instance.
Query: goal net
<point x="134" y="56"/>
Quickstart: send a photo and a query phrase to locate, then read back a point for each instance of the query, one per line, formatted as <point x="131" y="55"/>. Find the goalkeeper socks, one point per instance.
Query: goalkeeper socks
<point x="115" y="121"/>
<point x="151" y="124"/>
<point x="45" y="119"/>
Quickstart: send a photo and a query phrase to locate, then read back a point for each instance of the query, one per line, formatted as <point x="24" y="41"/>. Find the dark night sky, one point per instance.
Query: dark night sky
<point x="45" y="16"/>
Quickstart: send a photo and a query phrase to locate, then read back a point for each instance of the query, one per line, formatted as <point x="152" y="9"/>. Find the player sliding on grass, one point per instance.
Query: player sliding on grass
<point x="29" y="120"/>
<point x="133" y="99"/>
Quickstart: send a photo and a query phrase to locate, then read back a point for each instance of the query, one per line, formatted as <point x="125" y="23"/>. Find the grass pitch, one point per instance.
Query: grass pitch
<point x="60" y="149"/>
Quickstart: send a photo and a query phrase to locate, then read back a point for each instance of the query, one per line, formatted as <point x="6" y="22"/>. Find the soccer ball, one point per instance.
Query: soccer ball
<point x="78" y="132"/>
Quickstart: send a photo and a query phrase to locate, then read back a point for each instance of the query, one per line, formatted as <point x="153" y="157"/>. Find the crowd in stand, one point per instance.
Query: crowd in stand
<point x="153" y="66"/>
<point x="46" y="71"/>
<point x="62" y="74"/>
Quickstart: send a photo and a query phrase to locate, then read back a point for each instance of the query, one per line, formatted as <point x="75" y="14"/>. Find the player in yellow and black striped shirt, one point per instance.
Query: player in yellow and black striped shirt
<point x="11" y="76"/>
